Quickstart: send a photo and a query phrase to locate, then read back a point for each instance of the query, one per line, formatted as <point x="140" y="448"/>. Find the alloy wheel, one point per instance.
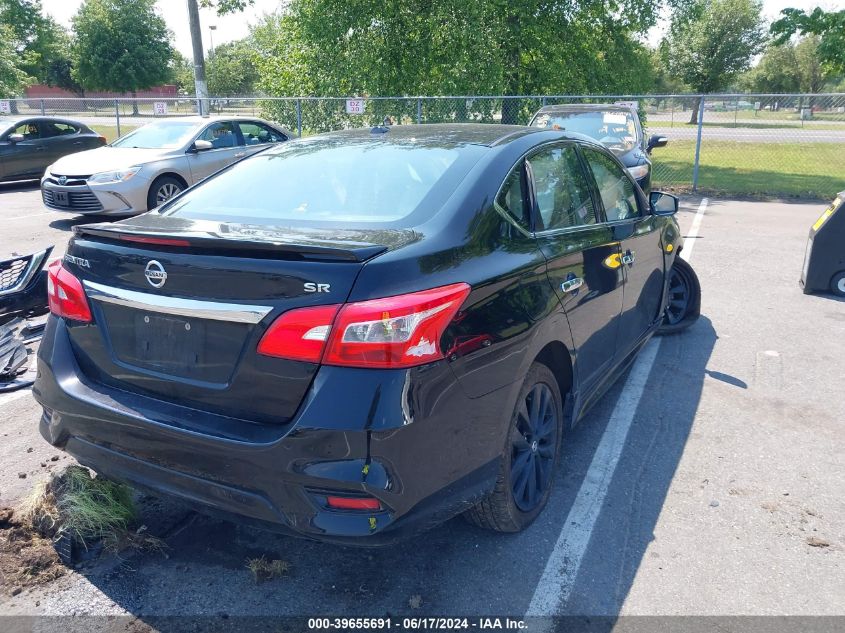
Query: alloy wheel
<point x="533" y="443"/>
<point x="679" y="297"/>
<point x="166" y="192"/>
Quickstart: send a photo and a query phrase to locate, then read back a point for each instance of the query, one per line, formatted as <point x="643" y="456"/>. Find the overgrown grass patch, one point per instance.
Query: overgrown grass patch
<point x="806" y="170"/>
<point x="265" y="569"/>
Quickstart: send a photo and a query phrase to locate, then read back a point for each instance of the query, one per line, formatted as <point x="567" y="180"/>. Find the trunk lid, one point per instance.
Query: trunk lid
<point x="178" y="315"/>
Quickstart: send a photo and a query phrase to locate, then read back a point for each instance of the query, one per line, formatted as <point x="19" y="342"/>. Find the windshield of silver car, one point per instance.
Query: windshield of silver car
<point x="158" y="135"/>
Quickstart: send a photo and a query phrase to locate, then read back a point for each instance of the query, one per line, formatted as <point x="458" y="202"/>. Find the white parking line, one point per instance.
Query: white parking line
<point x="25" y="217"/>
<point x="564" y="562"/>
<point x="6" y="398"/>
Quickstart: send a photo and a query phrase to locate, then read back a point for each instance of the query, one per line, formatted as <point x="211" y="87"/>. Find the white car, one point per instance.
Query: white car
<point x="150" y="165"/>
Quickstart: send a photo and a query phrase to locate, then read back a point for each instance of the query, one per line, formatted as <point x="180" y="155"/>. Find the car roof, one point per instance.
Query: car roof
<point x="38" y="117"/>
<point x="445" y="135"/>
<point x="584" y="107"/>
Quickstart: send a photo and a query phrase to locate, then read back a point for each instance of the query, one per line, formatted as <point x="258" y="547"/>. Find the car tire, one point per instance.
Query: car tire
<point x="530" y="456"/>
<point x="683" y="299"/>
<point x="162" y="189"/>
<point x="837" y="284"/>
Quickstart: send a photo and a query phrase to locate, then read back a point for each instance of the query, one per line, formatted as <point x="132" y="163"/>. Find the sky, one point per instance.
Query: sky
<point x="236" y="26"/>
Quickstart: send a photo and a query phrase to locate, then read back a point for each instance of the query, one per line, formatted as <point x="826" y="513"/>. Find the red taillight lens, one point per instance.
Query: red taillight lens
<point x="300" y="334"/>
<point x="65" y="295"/>
<point x="353" y="503"/>
<point x="400" y="331"/>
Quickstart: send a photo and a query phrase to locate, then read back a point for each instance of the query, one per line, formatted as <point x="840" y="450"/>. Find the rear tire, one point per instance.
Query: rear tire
<point x="837" y="284"/>
<point x="162" y="190"/>
<point x="529" y="458"/>
<point x="683" y="299"/>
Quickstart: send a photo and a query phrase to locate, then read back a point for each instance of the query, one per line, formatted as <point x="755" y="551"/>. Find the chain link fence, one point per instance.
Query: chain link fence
<point x="737" y="144"/>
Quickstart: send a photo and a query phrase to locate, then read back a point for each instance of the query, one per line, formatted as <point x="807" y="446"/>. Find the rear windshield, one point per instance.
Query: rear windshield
<point x="613" y="128"/>
<point x="161" y="135"/>
<point x="332" y="182"/>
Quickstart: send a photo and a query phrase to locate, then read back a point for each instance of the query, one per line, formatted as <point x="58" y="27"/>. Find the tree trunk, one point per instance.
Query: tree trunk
<point x="134" y="103"/>
<point x="693" y="117"/>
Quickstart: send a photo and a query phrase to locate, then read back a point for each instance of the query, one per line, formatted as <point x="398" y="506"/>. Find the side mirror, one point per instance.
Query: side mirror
<point x="201" y="146"/>
<point x="663" y="203"/>
<point x="15" y="138"/>
<point x="656" y="141"/>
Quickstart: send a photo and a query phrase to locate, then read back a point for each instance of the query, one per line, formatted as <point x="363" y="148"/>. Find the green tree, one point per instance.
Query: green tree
<point x="714" y="43"/>
<point x="231" y="70"/>
<point x="12" y="78"/>
<point x="777" y="71"/>
<point x="829" y="26"/>
<point x="443" y="47"/>
<point x="121" y="45"/>
<point x="182" y="73"/>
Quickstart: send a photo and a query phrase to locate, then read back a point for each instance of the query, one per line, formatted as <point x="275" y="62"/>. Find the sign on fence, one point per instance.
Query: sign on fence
<point x="354" y="106"/>
<point x="160" y="108"/>
<point x="5" y="107"/>
<point x="634" y="105"/>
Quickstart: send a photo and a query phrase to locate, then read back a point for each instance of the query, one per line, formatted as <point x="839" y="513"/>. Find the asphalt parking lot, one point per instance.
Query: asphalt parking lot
<point x="709" y="481"/>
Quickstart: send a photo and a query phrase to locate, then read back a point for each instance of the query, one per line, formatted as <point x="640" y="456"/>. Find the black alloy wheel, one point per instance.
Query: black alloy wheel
<point x="534" y="442"/>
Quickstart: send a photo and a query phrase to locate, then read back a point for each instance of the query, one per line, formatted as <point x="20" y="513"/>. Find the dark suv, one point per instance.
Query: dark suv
<point x="357" y="335"/>
<point x="617" y="127"/>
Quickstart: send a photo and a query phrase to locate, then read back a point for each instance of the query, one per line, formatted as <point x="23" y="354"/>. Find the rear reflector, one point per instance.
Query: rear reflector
<point x="353" y="503"/>
<point x="65" y="295"/>
<point x="393" y="332"/>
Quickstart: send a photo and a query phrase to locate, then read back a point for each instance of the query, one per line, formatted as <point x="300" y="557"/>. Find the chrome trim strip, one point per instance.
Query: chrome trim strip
<point x="193" y="308"/>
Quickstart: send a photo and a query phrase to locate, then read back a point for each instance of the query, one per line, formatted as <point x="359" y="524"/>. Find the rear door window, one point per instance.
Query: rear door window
<point x="511" y="198"/>
<point x="616" y="189"/>
<point x="562" y="191"/>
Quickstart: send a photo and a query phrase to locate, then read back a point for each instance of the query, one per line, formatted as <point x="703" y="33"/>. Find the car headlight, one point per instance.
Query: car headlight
<point x="640" y="171"/>
<point x="120" y="175"/>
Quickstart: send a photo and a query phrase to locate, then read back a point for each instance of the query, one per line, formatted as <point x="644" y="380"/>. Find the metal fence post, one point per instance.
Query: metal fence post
<point x="299" y="117"/>
<point x="419" y="110"/>
<point x="117" y="116"/>
<point x="42" y="107"/>
<point x="698" y="143"/>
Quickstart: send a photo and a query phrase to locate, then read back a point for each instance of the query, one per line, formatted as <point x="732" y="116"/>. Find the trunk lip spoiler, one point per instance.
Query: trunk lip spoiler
<point x="177" y="306"/>
<point x="313" y="250"/>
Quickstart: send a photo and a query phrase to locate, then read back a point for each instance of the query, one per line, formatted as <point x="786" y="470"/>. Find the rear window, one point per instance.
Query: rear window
<point x="332" y="182"/>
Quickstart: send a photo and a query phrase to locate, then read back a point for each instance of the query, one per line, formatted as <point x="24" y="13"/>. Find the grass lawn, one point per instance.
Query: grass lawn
<point x="811" y="170"/>
<point x="110" y="131"/>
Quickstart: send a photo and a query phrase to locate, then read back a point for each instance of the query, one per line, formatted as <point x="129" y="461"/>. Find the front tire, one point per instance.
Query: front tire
<point x="162" y="190"/>
<point x="837" y="284"/>
<point x="529" y="458"/>
<point x="683" y="299"/>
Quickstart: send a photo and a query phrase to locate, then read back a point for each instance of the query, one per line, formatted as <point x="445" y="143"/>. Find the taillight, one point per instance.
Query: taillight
<point x="299" y="334"/>
<point x="65" y="295"/>
<point x="393" y="332"/>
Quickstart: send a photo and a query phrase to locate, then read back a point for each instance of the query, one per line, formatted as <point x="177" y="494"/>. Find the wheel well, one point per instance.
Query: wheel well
<point x="556" y="357"/>
<point x="171" y="175"/>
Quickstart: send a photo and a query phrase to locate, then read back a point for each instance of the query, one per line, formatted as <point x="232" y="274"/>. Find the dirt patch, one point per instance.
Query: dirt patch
<point x="26" y="559"/>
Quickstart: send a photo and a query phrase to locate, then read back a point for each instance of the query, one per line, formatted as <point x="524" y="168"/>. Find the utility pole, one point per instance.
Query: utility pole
<point x="211" y="29"/>
<point x="199" y="62"/>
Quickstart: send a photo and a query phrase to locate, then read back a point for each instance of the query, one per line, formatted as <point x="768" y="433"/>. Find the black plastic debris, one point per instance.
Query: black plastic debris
<point x="23" y="286"/>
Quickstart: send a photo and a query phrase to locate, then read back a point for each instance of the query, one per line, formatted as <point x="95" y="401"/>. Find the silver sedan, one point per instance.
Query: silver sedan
<point x="150" y="165"/>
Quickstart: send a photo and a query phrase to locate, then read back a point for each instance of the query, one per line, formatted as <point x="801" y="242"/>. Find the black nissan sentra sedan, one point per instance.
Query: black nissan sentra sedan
<point x="358" y="335"/>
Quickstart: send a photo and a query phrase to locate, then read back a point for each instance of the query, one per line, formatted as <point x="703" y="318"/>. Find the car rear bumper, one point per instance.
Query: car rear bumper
<point x="410" y="438"/>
